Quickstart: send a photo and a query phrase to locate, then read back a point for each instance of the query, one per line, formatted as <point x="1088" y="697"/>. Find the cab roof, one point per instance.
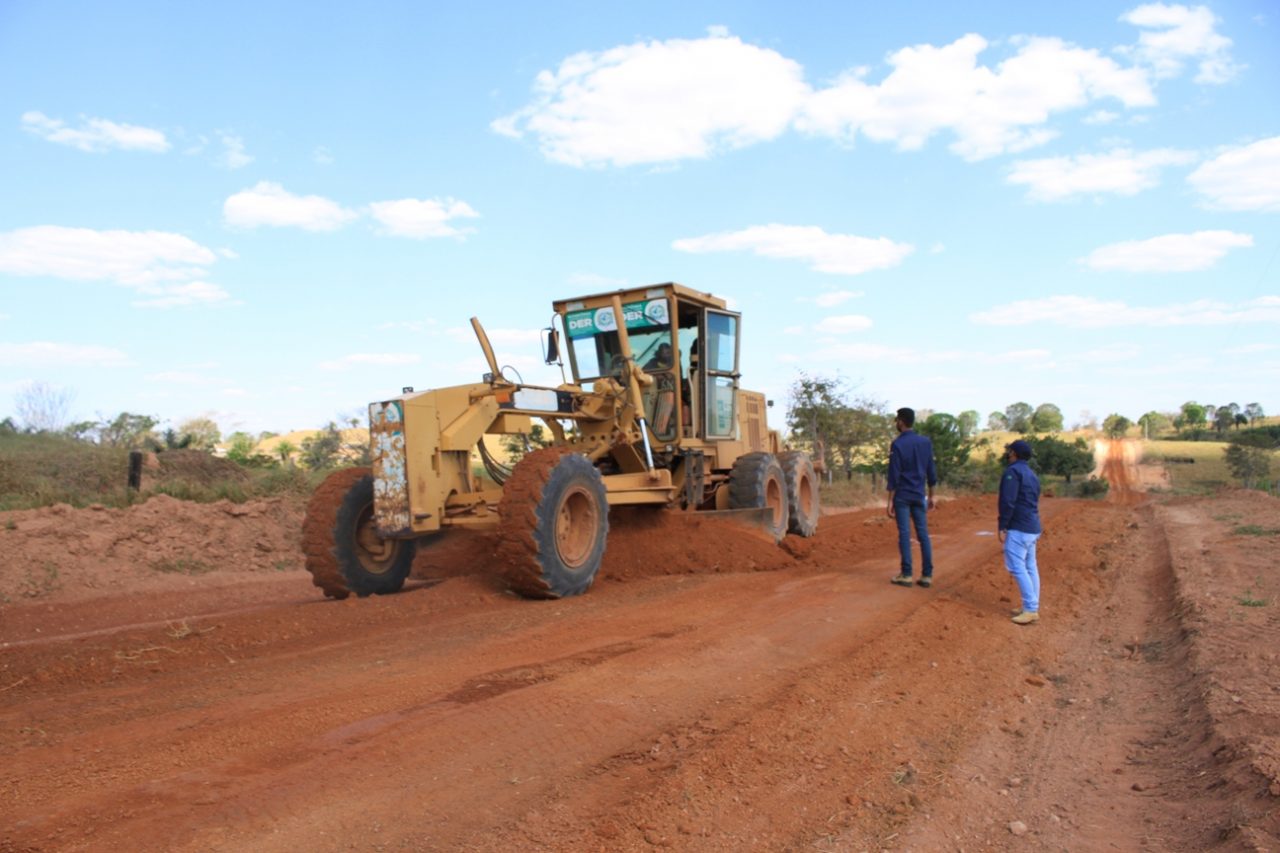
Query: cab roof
<point x="648" y="291"/>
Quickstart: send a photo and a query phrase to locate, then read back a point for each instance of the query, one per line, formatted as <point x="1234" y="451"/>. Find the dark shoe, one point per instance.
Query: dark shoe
<point x="925" y="582"/>
<point x="901" y="580"/>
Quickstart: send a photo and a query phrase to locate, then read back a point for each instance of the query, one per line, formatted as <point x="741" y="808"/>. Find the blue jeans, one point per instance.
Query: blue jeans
<point x="1020" y="560"/>
<point x="907" y="512"/>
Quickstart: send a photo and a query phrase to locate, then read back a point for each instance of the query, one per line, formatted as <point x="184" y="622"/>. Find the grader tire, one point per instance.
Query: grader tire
<point x="555" y="523"/>
<point x="802" y="492"/>
<point x="756" y="481"/>
<point x="343" y="552"/>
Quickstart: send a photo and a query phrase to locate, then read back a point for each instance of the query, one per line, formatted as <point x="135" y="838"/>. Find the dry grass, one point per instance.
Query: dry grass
<point x="1194" y="467"/>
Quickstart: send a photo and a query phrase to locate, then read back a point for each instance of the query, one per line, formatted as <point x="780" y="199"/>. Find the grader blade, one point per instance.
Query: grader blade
<point x="762" y="518"/>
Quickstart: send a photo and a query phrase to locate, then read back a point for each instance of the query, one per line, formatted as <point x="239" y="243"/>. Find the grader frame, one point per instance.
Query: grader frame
<point x="653" y="416"/>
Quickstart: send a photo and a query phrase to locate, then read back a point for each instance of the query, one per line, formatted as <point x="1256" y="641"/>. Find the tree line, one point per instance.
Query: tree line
<point x="848" y="432"/>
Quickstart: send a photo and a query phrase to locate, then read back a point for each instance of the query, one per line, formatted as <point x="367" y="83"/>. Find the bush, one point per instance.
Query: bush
<point x="1094" y="487"/>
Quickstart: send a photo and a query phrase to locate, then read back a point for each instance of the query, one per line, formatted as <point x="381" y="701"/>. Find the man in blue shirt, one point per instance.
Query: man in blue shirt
<point x="911" y="470"/>
<point x="1019" y="526"/>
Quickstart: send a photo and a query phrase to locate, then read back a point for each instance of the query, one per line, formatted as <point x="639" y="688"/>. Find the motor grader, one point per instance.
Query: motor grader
<point x="653" y="416"/>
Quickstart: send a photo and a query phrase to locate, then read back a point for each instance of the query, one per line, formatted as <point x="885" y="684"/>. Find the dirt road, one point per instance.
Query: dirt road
<point x="776" y="699"/>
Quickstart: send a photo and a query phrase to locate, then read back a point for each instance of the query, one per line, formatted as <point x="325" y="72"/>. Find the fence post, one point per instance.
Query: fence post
<point x="135" y="470"/>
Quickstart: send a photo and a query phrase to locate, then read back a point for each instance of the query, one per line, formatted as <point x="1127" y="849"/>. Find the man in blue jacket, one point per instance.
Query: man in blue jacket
<point x="1019" y="526"/>
<point x="911" y="470"/>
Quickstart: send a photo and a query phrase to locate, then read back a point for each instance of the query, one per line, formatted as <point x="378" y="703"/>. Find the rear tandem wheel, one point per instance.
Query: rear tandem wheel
<point x="757" y="481"/>
<point x="802" y="492"/>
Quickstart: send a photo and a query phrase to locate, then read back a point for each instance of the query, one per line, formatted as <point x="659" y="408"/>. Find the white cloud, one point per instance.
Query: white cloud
<point x="1090" y="313"/>
<point x="269" y="203"/>
<point x="322" y="156"/>
<point x="378" y="359"/>
<point x="989" y="110"/>
<point x="1168" y="253"/>
<point x="660" y="101"/>
<point x="1251" y="349"/>
<point x="842" y="324"/>
<point x="233" y="153"/>
<point x="664" y="101"/>
<point x="1121" y="171"/>
<point x="185" y="295"/>
<point x="1174" y="35"/>
<point x="832" y="298"/>
<point x="1243" y="178"/>
<point x="48" y="354"/>
<point x="95" y="134"/>
<point x="841" y="254"/>
<point x="422" y="218"/>
<point x="133" y="258"/>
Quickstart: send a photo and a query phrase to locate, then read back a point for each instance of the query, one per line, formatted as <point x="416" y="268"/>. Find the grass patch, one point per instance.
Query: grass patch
<point x="181" y="566"/>
<point x="42" y="470"/>
<point x="1195" y="467"/>
<point x="1255" y="530"/>
<point x="1250" y="597"/>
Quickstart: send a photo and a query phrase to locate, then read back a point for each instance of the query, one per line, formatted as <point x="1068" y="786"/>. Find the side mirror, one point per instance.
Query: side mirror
<point x="551" y="345"/>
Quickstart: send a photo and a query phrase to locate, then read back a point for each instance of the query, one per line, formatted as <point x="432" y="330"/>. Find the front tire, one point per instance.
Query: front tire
<point x="344" y="552"/>
<point x="555" y="523"/>
<point x="802" y="492"/>
<point x="756" y="481"/>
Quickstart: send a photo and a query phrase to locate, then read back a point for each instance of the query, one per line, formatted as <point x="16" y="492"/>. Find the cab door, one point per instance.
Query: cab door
<point x="720" y="364"/>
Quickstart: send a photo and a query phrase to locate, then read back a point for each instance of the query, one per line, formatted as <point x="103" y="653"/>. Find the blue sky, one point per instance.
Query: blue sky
<point x="273" y="214"/>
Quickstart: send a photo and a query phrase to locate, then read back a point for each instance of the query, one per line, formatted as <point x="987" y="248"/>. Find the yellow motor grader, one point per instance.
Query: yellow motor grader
<point x="653" y="416"/>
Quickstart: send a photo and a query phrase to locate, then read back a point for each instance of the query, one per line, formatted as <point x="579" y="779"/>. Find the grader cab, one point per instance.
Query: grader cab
<point x="651" y="416"/>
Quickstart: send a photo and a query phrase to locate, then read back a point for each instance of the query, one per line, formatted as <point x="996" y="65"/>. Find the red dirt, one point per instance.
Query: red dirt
<point x="711" y="692"/>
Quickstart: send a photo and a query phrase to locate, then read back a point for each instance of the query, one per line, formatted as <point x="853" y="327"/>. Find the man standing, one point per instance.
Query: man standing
<point x="1019" y="527"/>
<point x="911" y="469"/>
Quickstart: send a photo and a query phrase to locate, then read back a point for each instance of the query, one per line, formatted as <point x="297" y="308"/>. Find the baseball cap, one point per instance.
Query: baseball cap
<point x="1020" y="449"/>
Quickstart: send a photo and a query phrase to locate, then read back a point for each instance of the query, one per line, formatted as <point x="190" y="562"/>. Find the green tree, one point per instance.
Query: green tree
<point x="203" y="432"/>
<point x="814" y="412"/>
<point x="1223" y="419"/>
<point x="127" y="430"/>
<point x="1253" y="411"/>
<point x="997" y="422"/>
<point x="1192" y="414"/>
<point x="285" y="450"/>
<point x="863" y="431"/>
<point x="1046" y="418"/>
<point x="322" y="450"/>
<point x="1152" y="422"/>
<point x="170" y="439"/>
<point x="1018" y="417"/>
<point x="240" y="447"/>
<point x="516" y="446"/>
<point x="969" y="420"/>
<point x="950" y="449"/>
<point x="1115" y="426"/>
<point x="1250" y="464"/>
<point x="1052" y="455"/>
